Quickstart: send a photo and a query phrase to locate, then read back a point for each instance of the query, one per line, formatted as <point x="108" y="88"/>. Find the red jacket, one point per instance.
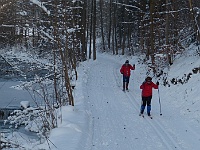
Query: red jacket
<point x="147" y="88"/>
<point x="126" y="69"/>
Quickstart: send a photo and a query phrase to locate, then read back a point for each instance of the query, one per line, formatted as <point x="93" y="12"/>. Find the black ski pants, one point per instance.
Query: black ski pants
<point x="146" y="101"/>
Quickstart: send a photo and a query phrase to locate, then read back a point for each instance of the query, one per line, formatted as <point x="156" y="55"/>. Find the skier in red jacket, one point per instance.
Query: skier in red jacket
<point x="126" y="71"/>
<point x="147" y="87"/>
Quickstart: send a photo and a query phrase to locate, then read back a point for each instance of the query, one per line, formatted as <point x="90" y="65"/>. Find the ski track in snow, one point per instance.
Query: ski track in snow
<point x="116" y="123"/>
<point x="167" y="140"/>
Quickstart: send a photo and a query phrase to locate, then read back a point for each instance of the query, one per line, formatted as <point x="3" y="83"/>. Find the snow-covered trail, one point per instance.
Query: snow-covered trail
<point x="115" y="124"/>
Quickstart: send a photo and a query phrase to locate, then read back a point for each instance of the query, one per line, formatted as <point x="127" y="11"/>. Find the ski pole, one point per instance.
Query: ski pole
<point x="159" y="101"/>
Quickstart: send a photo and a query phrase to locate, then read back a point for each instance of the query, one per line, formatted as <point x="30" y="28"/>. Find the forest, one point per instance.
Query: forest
<point x="70" y="32"/>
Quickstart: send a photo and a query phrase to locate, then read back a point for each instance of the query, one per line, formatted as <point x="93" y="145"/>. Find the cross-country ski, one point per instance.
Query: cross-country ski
<point x="142" y="115"/>
<point x="150" y="117"/>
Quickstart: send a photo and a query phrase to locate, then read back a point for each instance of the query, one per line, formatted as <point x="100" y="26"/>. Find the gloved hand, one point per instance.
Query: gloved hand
<point x="133" y="65"/>
<point x="157" y="83"/>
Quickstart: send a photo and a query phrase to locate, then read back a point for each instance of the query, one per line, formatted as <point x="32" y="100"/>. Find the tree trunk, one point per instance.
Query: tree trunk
<point x="102" y="33"/>
<point x="152" y="4"/>
<point x="142" y="22"/>
<point x="83" y="32"/>
<point x="152" y="35"/>
<point x="115" y="30"/>
<point x="110" y="23"/>
<point x="94" y="30"/>
<point x="91" y="32"/>
<point x="167" y="34"/>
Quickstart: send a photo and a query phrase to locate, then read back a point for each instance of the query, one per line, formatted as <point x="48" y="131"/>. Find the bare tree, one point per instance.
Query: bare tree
<point x="102" y="26"/>
<point x="94" y="29"/>
<point x="194" y="21"/>
<point x="110" y="24"/>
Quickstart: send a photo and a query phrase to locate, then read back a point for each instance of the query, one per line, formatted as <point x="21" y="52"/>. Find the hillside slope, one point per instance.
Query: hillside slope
<point x="114" y="121"/>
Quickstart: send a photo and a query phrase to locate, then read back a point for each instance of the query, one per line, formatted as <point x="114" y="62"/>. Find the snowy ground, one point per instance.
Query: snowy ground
<point x="106" y="118"/>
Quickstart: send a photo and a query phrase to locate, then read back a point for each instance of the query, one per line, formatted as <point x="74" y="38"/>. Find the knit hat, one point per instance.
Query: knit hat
<point x="126" y="62"/>
<point x="148" y="79"/>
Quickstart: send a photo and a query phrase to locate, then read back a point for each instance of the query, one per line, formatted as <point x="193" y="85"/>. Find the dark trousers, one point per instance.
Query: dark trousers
<point x="146" y="101"/>
<point x="125" y="82"/>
